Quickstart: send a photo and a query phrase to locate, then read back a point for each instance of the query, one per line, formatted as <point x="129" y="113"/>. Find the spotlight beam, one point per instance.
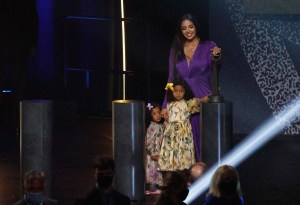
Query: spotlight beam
<point x="242" y="151"/>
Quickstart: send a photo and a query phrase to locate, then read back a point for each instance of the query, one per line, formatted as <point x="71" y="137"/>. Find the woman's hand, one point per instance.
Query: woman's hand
<point x="216" y="51"/>
<point x="164" y="113"/>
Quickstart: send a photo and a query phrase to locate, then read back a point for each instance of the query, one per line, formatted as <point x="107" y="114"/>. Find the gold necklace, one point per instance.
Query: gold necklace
<point x="193" y="47"/>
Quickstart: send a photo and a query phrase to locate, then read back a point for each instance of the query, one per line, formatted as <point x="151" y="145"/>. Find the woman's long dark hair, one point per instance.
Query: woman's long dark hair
<point x="179" y="39"/>
<point x="188" y="92"/>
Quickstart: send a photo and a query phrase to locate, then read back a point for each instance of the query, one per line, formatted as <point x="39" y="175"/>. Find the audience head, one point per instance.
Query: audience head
<point x="175" y="186"/>
<point x="224" y="182"/>
<point x="196" y="171"/>
<point x="34" y="182"/>
<point x="104" y="169"/>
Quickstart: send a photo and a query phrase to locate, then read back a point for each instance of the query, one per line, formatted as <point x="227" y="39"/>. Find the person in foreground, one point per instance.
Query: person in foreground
<point x="104" y="193"/>
<point x="34" y="187"/>
<point x="174" y="189"/>
<point x="191" y="59"/>
<point x="195" y="172"/>
<point x="224" y="188"/>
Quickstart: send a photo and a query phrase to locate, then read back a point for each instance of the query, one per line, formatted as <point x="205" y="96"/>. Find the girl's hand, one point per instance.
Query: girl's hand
<point x="204" y="99"/>
<point x="164" y="113"/>
<point x="154" y="158"/>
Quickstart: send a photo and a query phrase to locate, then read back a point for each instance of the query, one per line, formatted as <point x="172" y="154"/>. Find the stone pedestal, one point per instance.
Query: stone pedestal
<point x="128" y="121"/>
<point x="36" y="121"/>
<point x="216" y="138"/>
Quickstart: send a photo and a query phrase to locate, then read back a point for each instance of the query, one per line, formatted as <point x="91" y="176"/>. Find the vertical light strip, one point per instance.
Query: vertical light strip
<point x="123" y="49"/>
<point x="133" y="181"/>
<point x="132" y="129"/>
<point x="219" y="134"/>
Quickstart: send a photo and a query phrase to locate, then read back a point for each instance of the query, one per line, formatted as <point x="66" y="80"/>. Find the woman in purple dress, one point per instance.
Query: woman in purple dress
<point x="191" y="60"/>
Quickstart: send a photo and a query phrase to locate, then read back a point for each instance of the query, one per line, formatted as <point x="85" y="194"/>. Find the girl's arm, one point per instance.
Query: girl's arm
<point x="157" y="141"/>
<point x="203" y="100"/>
<point x="153" y="141"/>
<point x="149" y="138"/>
<point x="194" y="105"/>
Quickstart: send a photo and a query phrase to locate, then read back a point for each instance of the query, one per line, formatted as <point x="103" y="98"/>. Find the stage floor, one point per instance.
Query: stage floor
<point x="270" y="176"/>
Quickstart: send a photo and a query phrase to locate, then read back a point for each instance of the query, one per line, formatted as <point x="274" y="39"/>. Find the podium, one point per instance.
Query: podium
<point x="128" y="147"/>
<point x="216" y="122"/>
<point x="216" y="128"/>
<point x="36" y="133"/>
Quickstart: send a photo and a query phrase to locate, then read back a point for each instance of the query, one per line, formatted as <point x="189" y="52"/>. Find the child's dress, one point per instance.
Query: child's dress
<point x="153" y="143"/>
<point x="177" y="149"/>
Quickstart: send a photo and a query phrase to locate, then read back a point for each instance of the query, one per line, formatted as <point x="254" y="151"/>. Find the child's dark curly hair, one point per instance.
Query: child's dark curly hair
<point x="148" y="112"/>
<point x="188" y="92"/>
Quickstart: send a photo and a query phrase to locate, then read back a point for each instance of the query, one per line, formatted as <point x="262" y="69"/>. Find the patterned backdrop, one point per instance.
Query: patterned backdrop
<point x="264" y="41"/>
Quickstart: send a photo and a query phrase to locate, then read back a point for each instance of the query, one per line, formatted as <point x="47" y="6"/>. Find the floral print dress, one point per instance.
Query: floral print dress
<point x="177" y="149"/>
<point x="154" y="139"/>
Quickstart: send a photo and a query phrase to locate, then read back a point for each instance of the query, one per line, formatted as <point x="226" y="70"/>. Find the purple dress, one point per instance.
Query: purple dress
<point x="197" y="74"/>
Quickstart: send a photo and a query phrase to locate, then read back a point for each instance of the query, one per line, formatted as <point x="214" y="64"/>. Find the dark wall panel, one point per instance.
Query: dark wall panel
<point x="259" y="63"/>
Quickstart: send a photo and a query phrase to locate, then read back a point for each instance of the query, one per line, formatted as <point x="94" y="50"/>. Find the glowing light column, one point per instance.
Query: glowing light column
<point x="123" y="50"/>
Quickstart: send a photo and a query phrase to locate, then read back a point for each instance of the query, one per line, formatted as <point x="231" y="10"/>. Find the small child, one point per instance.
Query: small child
<point x="177" y="149"/>
<point x="155" y="129"/>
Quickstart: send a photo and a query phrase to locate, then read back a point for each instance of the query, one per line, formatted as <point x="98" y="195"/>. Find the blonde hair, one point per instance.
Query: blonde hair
<point x="225" y="173"/>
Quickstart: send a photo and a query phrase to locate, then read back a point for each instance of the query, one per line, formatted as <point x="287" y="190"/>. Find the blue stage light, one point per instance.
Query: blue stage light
<point x="6" y="91"/>
<point x="248" y="146"/>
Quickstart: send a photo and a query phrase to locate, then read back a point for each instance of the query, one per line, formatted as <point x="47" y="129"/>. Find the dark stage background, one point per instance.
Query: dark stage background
<point x="79" y="58"/>
<point x="78" y="65"/>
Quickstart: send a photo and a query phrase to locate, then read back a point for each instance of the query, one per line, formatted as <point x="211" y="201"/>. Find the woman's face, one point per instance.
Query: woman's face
<point x="188" y="29"/>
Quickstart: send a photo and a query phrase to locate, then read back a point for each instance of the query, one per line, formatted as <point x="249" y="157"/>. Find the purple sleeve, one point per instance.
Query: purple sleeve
<point x="171" y="75"/>
<point x="212" y="44"/>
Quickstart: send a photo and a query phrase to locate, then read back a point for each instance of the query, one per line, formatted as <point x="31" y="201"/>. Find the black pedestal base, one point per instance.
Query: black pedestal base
<point x="216" y="99"/>
<point x="216" y="130"/>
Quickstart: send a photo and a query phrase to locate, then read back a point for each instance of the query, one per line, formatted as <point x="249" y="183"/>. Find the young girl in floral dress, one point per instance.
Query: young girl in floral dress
<point x="177" y="149"/>
<point x="154" y="136"/>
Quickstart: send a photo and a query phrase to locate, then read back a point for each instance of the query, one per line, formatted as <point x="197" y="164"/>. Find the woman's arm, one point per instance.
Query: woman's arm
<point x="170" y="77"/>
